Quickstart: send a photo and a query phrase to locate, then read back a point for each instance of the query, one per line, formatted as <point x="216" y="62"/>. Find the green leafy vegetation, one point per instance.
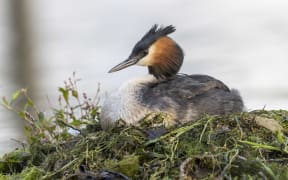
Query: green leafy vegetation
<point x="249" y="145"/>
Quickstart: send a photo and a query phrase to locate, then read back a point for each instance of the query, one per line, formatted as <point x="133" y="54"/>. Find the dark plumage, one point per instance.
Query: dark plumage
<point x="202" y="93"/>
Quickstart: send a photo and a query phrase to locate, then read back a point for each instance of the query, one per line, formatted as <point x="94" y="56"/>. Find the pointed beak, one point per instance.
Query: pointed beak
<point x="124" y="64"/>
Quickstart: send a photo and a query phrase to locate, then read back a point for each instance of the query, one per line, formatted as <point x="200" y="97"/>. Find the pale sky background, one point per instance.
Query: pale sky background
<point x="243" y="43"/>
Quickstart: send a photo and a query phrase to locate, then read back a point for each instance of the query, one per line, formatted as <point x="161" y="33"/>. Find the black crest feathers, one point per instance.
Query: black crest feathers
<point x="151" y="36"/>
<point x="156" y="32"/>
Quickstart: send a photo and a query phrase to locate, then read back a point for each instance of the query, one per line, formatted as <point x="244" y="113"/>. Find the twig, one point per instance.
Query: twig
<point x="229" y="164"/>
<point x="264" y="146"/>
<point x="269" y="171"/>
<point x="70" y="126"/>
<point x="239" y="126"/>
<point x="49" y="176"/>
<point x="204" y="129"/>
<point x="177" y="132"/>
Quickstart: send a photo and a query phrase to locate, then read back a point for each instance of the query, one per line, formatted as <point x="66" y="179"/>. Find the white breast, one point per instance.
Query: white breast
<point x="125" y="103"/>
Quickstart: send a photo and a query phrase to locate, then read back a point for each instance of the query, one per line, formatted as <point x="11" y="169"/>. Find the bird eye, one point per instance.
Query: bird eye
<point x="145" y="52"/>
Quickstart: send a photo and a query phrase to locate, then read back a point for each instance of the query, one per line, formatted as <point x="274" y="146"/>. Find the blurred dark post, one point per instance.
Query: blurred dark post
<point x="22" y="63"/>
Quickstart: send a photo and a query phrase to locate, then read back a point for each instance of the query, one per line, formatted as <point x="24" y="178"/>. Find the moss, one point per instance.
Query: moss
<point x="3" y="177"/>
<point x="129" y="165"/>
<point x="32" y="173"/>
<point x="14" y="162"/>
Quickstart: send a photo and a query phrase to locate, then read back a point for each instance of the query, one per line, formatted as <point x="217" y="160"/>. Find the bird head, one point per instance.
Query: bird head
<point x="161" y="54"/>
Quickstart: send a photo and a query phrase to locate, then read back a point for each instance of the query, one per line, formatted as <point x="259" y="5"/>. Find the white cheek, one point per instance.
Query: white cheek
<point x="148" y="59"/>
<point x="145" y="61"/>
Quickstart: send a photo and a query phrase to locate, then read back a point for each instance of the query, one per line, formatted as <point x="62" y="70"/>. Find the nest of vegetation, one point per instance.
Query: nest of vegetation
<point x="69" y="144"/>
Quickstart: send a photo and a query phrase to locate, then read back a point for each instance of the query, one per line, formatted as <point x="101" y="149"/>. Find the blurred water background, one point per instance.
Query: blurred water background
<point x="243" y="43"/>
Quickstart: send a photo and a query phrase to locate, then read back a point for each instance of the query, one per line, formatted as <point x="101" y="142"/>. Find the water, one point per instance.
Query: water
<point x="244" y="43"/>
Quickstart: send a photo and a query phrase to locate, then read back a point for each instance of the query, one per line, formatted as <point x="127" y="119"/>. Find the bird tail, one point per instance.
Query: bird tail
<point x="238" y="103"/>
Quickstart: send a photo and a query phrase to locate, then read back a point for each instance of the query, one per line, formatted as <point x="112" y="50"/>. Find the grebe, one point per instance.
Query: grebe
<point x="183" y="97"/>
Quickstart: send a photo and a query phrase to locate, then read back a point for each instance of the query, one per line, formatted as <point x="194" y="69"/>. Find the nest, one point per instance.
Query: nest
<point x="248" y="145"/>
